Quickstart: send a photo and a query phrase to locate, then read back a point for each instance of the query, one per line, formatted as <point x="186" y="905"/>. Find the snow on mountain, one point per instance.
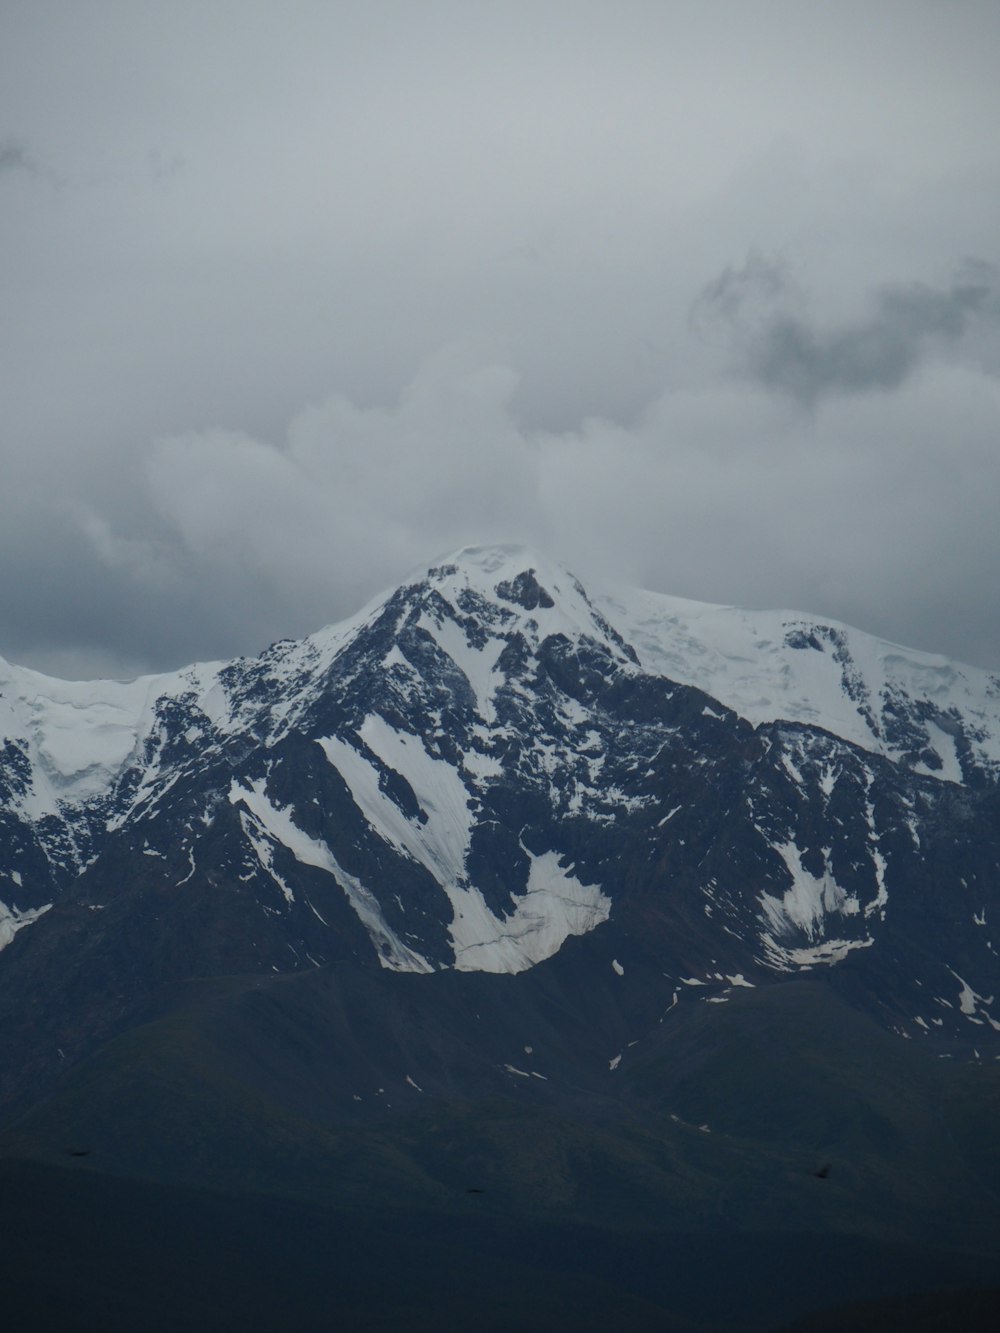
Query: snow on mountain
<point x="76" y="735"/>
<point x="488" y="762"/>
<point x="916" y="708"/>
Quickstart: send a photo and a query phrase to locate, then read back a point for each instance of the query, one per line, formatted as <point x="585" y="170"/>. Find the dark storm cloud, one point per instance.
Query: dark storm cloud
<point x="759" y="284"/>
<point x="15" y="157"/>
<point x="787" y="352"/>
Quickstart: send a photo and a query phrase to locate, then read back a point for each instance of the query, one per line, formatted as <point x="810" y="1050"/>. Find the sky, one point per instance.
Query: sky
<point x="299" y="295"/>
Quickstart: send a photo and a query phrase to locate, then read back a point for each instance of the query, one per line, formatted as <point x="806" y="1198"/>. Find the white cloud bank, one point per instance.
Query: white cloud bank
<point x="732" y="493"/>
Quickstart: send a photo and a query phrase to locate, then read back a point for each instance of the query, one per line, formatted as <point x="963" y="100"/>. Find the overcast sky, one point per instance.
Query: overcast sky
<point x="299" y="294"/>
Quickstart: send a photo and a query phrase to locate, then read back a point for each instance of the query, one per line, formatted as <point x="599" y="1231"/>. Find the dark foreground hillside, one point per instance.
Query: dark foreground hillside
<point x="87" y="1251"/>
<point x="233" y="1165"/>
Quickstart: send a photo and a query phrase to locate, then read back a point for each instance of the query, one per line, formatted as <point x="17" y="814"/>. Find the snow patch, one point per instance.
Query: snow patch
<point x="477" y="665"/>
<point x="11" y="920"/>
<point x="826" y="953"/>
<point x="441" y="842"/>
<point x="190" y="871"/>
<point x="554" y="906"/>
<point x="264" y="845"/>
<point x="968" y="1000"/>
<point x="810" y="900"/>
<point x="392" y="952"/>
<point x="944" y="747"/>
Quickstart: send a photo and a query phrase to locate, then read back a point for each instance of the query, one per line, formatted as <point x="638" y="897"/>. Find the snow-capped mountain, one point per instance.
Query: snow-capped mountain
<point x="490" y="761"/>
<point x="509" y="904"/>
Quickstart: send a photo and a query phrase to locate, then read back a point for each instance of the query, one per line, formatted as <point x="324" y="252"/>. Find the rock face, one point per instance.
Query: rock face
<point x="484" y="766"/>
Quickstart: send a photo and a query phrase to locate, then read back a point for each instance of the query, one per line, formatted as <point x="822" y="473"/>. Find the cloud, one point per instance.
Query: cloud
<point x="296" y="533"/>
<point x="225" y="419"/>
<point x="215" y="542"/>
<point x="724" y="493"/>
<point x="747" y="296"/>
<point x="15" y="158"/>
<point x="736" y="496"/>
<point x="761" y="308"/>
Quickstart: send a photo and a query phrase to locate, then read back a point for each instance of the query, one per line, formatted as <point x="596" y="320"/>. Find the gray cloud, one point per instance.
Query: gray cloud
<point x="785" y="351"/>
<point x="746" y="295"/>
<point x="227" y="415"/>
<point x="15" y="158"/>
<point x="207" y="543"/>
<point x="222" y="541"/>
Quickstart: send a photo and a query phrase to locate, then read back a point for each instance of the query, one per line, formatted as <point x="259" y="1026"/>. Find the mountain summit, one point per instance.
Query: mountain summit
<point x="490" y="760"/>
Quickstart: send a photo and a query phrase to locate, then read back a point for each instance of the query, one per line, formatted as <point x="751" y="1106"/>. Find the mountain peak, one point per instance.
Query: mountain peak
<point x="494" y="557"/>
<point x="489" y="761"/>
<point x="487" y="568"/>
